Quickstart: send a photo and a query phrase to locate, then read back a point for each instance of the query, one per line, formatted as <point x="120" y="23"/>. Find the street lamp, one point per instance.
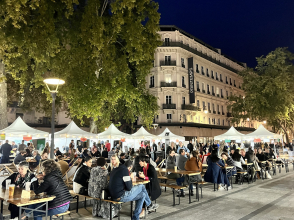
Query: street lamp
<point x="53" y="82"/>
<point x="264" y="122"/>
<point x="247" y="119"/>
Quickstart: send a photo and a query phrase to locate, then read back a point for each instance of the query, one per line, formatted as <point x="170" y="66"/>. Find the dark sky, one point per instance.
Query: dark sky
<point x="242" y="29"/>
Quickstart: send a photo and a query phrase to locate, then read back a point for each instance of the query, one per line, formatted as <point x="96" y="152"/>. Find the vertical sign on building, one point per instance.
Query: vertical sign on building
<point x="191" y="80"/>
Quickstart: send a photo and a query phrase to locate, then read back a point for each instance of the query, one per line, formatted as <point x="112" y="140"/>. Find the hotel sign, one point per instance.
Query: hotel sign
<point x="191" y="80"/>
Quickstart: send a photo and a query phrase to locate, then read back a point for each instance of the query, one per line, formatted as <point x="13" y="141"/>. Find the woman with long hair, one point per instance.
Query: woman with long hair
<point x="114" y="163"/>
<point x="194" y="164"/>
<point x="82" y="176"/>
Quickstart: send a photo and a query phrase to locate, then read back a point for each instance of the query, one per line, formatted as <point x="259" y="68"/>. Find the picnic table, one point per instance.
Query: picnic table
<point x="23" y="202"/>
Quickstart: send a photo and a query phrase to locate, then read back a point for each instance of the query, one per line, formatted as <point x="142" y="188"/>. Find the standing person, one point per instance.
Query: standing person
<point x="98" y="182"/>
<point x="95" y="152"/>
<point x="108" y="146"/>
<point x="99" y="146"/>
<point x="22" y="146"/>
<point x="14" y="146"/>
<point x="190" y="146"/>
<point x="111" y="153"/>
<point x="71" y="144"/>
<point x="58" y="153"/>
<point x="182" y="147"/>
<point x="5" y="151"/>
<point x="80" y="147"/>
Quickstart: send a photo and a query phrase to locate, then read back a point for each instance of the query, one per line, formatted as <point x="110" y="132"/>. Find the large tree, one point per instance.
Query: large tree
<point x="269" y="92"/>
<point x="103" y="50"/>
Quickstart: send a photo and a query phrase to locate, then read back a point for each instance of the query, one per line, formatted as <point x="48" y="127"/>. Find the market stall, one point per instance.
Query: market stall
<point x="231" y="134"/>
<point x="142" y="135"/>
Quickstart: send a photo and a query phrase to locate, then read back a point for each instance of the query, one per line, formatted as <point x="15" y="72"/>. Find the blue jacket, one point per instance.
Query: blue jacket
<point x="214" y="173"/>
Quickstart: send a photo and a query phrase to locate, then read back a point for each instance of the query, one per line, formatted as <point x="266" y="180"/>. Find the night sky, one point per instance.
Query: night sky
<point x="243" y="30"/>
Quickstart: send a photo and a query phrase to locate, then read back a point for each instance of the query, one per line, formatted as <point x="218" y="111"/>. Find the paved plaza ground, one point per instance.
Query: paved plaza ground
<point x="264" y="199"/>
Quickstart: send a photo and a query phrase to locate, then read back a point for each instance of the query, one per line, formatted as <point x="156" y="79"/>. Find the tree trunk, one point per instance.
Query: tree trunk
<point x="3" y="98"/>
<point x="93" y="126"/>
<point x="286" y="134"/>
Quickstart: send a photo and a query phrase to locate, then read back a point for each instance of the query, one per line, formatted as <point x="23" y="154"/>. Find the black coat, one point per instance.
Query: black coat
<point x="153" y="187"/>
<point x="54" y="185"/>
<point x="190" y="147"/>
<point x="18" y="159"/>
<point x="5" y="150"/>
<point x="105" y="154"/>
<point x="82" y="176"/>
<point x="58" y="153"/>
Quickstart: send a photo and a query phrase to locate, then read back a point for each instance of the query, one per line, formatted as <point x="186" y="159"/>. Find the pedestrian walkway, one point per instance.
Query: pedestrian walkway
<point x="264" y="199"/>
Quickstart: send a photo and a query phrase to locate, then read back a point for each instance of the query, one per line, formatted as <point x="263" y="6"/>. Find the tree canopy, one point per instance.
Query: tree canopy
<point x="102" y="49"/>
<point x="269" y="92"/>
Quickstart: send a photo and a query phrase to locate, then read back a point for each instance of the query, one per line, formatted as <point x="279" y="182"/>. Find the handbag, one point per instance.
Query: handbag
<point x="192" y="179"/>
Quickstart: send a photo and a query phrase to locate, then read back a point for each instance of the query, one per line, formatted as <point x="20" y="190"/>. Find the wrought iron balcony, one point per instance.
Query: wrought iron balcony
<point x="169" y="106"/>
<point x="165" y="84"/>
<point x="190" y="107"/>
<point x="168" y="63"/>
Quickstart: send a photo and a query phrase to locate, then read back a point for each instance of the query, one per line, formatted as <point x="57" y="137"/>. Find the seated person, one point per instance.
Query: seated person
<point x="159" y="162"/>
<point x="214" y="173"/>
<point x="261" y="156"/>
<point x="182" y="159"/>
<point x="122" y="158"/>
<point x="229" y="162"/>
<point x="149" y="173"/>
<point x="82" y="176"/>
<point x="44" y="156"/>
<point x="19" y="179"/>
<point x="110" y="153"/>
<point x="53" y="185"/>
<point x="122" y="190"/>
<point x="194" y="164"/>
<point x="98" y="182"/>
<point x="57" y="152"/>
<point x="20" y="157"/>
<point x="37" y="157"/>
<point x="244" y="155"/>
<point x="114" y="163"/>
<point x="170" y="164"/>
<point x="95" y="152"/>
<point x="28" y="153"/>
<point x="238" y="160"/>
<point x="86" y="152"/>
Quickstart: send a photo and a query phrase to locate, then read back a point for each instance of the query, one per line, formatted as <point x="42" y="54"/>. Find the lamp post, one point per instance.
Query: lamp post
<point x="54" y="83"/>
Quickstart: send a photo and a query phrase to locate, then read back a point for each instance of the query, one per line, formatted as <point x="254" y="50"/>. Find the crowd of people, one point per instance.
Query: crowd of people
<point x="96" y="178"/>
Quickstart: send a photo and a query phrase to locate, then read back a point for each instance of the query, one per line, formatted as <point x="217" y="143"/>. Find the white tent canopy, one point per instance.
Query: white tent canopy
<point x="19" y="128"/>
<point x="73" y="131"/>
<point x="142" y="134"/>
<point x="167" y="133"/>
<point x="262" y="133"/>
<point x="113" y="133"/>
<point x="231" y="134"/>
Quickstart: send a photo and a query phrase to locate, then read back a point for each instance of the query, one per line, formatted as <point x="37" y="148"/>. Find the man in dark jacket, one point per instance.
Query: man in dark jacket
<point x="5" y="151"/>
<point x="121" y="190"/>
<point x="20" y="157"/>
<point x="190" y="146"/>
<point x="105" y="153"/>
<point x="122" y="158"/>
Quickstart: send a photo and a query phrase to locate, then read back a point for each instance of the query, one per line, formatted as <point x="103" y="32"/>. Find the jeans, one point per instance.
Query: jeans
<point x="180" y="181"/>
<point x="139" y="194"/>
<point x="55" y="211"/>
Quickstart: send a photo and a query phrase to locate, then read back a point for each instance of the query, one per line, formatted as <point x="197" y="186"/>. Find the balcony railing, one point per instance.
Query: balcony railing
<point x="222" y="96"/>
<point x="165" y="84"/>
<point x="198" y="90"/>
<point x="227" y="82"/>
<point x="190" y="107"/>
<point x="209" y="110"/>
<point x="239" y="87"/>
<point x="223" y="113"/>
<point x="229" y="114"/>
<point x="151" y="86"/>
<point x="234" y="85"/>
<point x="183" y="85"/>
<point x="221" y="80"/>
<point x="216" y="78"/>
<point x="214" y="112"/>
<point x="208" y="92"/>
<point x="169" y="106"/>
<point x="207" y="75"/>
<point x="203" y="91"/>
<point x="230" y="83"/>
<point x="187" y="47"/>
<point x="213" y="94"/>
<point x="212" y="77"/>
<point x="218" y="113"/>
<point x="217" y="95"/>
<point x="168" y="63"/>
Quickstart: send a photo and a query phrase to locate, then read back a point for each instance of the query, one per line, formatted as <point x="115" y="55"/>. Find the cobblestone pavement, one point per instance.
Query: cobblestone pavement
<point x="264" y="199"/>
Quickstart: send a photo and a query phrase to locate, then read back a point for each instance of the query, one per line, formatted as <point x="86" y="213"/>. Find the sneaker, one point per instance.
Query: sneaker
<point x="220" y="188"/>
<point x="152" y="207"/>
<point x="182" y="194"/>
<point x="229" y="187"/>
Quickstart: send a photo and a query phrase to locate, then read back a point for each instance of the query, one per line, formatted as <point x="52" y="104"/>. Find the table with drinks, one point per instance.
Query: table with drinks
<point x="24" y="197"/>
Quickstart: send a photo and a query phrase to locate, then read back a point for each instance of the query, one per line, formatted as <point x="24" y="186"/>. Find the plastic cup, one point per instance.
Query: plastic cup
<point x="134" y="177"/>
<point x="11" y="190"/>
<point x="8" y="183"/>
<point x="176" y="168"/>
<point x="28" y="186"/>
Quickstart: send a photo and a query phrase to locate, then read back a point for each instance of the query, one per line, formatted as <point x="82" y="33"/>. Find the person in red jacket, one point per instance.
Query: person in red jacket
<point x="108" y="146"/>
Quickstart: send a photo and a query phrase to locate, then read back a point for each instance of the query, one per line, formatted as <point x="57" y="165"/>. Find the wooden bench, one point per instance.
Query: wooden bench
<point x="89" y="197"/>
<point x="174" y="188"/>
<point x="60" y="216"/>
